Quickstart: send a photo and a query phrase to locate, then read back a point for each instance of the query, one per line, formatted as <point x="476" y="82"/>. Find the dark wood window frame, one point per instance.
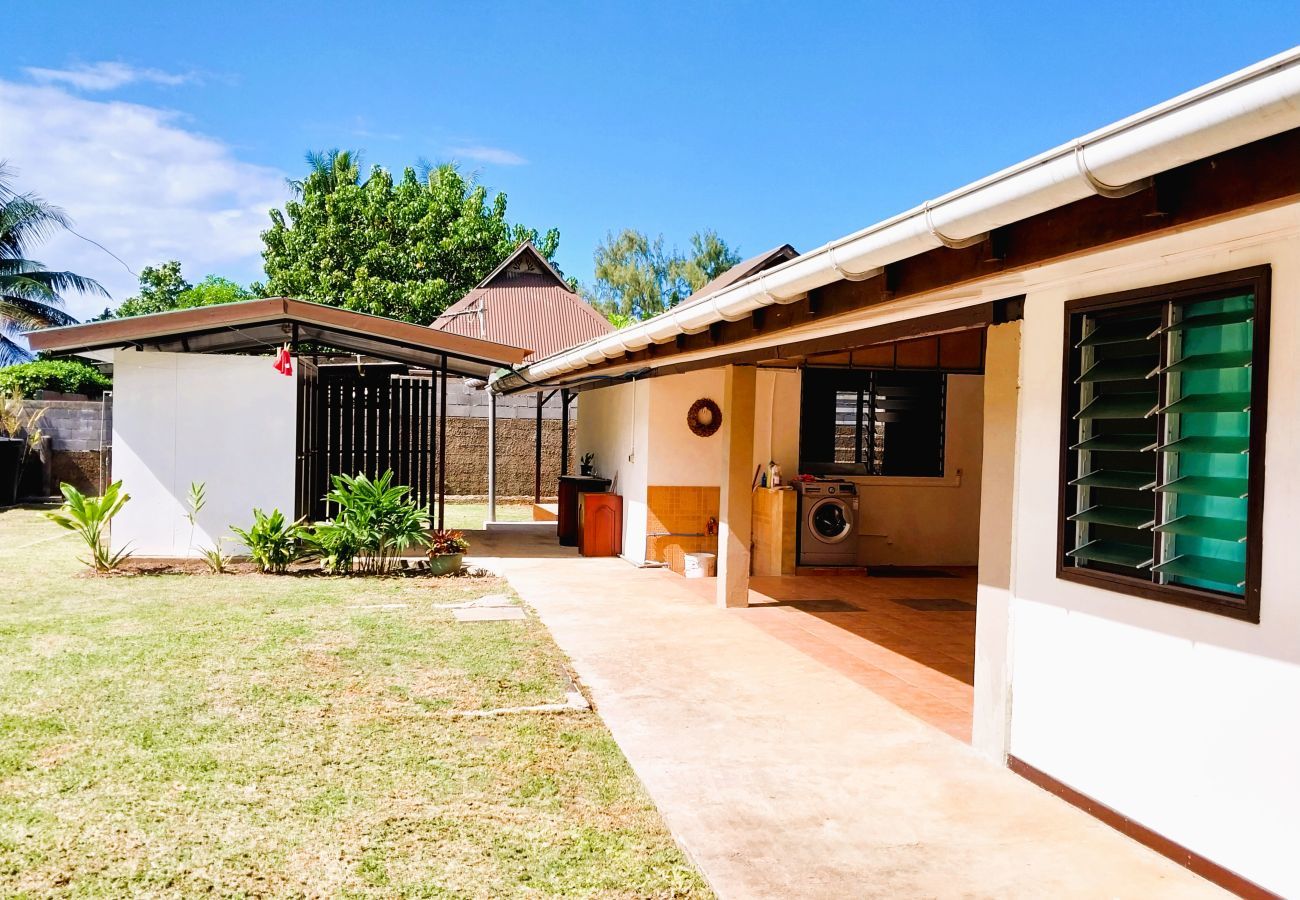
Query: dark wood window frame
<point x="1247" y="608"/>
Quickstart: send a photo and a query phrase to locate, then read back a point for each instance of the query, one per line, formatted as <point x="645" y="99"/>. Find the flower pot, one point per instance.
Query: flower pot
<point x="588" y="470"/>
<point x="445" y="563"/>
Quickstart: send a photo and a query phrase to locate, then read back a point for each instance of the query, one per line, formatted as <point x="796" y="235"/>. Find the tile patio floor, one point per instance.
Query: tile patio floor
<point x="784" y="775"/>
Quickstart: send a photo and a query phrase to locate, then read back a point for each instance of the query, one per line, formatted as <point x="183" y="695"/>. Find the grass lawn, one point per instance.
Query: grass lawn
<point x="259" y="735"/>
<point x="470" y="516"/>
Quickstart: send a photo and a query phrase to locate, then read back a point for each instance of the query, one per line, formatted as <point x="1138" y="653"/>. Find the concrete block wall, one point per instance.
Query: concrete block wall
<point x="75" y="425"/>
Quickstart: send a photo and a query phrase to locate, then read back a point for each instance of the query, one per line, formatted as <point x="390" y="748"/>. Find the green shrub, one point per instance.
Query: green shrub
<point x="68" y="375"/>
<point x="273" y="541"/>
<point x="375" y="522"/>
<point x="89" y="517"/>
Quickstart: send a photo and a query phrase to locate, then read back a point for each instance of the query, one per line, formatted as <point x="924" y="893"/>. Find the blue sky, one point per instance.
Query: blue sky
<point x="166" y="129"/>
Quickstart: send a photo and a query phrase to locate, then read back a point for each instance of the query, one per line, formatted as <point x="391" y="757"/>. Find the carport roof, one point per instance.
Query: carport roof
<point x="266" y="324"/>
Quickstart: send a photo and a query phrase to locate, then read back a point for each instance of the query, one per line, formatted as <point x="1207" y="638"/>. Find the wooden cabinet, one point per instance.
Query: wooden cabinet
<point x="600" y="524"/>
<point x="571" y="488"/>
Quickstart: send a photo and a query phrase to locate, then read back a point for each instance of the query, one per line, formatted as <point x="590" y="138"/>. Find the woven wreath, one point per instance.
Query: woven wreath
<point x="704" y="429"/>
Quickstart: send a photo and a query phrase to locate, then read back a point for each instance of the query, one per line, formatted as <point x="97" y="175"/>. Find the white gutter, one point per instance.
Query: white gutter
<point x="1254" y="103"/>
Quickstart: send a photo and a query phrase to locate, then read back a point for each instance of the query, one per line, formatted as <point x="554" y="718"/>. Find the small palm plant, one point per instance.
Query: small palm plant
<point x="273" y="541"/>
<point x="376" y="523"/>
<point x="90" y="517"/>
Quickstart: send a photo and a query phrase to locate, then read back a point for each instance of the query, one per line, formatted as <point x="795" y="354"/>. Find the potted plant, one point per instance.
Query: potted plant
<point x="588" y="467"/>
<point x="446" y="551"/>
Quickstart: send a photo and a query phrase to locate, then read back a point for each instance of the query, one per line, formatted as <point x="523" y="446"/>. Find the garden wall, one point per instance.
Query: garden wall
<point x="78" y="450"/>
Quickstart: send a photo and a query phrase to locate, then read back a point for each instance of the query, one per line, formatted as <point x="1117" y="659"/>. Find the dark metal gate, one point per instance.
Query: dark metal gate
<point x="354" y="420"/>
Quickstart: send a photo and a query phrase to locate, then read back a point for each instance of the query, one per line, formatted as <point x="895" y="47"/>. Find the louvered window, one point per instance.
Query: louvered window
<point x="870" y="422"/>
<point x="1163" y="482"/>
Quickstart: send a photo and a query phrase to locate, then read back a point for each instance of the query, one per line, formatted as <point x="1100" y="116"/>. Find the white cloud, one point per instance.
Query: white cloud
<point x="104" y="76"/>
<point x="493" y="155"/>
<point x="137" y="182"/>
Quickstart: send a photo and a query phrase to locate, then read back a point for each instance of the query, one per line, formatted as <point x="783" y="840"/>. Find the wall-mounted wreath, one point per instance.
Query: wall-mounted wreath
<point x="704" y="417"/>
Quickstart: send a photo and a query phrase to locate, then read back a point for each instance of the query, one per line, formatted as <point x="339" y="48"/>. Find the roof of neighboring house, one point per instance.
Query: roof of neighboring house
<point x="253" y="325"/>
<point x="525" y="302"/>
<point x="743" y="269"/>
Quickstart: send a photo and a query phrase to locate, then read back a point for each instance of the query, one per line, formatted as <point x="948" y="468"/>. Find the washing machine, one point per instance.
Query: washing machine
<point x="828" y="523"/>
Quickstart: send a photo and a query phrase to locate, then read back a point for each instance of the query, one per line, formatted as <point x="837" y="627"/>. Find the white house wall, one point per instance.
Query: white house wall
<point x="613" y="426"/>
<point x="1184" y="721"/>
<point x="227" y="421"/>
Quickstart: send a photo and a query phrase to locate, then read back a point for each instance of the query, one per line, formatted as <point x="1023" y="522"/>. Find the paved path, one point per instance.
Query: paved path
<point x="782" y="778"/>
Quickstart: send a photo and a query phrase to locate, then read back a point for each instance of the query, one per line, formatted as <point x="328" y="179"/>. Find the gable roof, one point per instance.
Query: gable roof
<point x="258" y="325"/>
<point x="524" y="302"/>
<point x="743" y="269"/>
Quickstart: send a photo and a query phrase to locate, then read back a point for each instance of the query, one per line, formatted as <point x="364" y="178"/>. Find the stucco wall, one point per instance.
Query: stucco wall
<point x="228" y="421"/>
<point x="614" y="426"/>
<point x="1183" y="720"/>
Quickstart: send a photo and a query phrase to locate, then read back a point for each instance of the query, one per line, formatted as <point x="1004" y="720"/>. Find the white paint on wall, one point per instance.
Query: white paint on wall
<point x="227" y="421"/>
<point x="1184" y="721"/>
<point x="614" y="426"/>
<point x="677" y="455"/>
<point x="776" y="420"/>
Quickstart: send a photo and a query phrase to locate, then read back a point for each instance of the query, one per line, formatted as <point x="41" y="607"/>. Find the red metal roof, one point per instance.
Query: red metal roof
<point x="524" y="303"/>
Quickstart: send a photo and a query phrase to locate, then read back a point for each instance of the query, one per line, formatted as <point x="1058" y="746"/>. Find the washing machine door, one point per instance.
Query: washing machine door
<point x="830" y="520"/>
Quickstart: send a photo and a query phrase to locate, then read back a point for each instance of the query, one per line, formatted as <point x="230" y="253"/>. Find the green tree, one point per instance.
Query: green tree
<point x="30" y="295"/>
<point x="163" y="288"/>
<point x="406" y="248"/>
<point x="637" y="278"/>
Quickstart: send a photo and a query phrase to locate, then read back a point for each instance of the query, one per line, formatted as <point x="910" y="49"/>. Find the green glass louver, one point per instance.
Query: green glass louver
<point x="1119" y="406"/>
<point x="1204" y="568"/>
<point x="1217" y="528"/>
<point x="1128" y="481"/>
<point x="1121" y="368"/>
<point x="1203" y="443"/>
<point x="1206" y="361"/>
<point x="1206" y="486"/>
<point x="1121" y="516"/>
<point x="1131" y="443"/>
<point x="1208" y="403"/>
<point x="1124" y="331"/>
<point x="1211" y="320"/>
<point x="1116" y="553"/>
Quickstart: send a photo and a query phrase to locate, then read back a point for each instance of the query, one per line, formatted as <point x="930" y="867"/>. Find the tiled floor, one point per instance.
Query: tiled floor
<point x="921" y="660"/>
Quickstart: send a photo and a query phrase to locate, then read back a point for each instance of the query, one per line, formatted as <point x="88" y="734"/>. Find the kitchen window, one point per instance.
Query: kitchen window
<point x="1162" y="469"/>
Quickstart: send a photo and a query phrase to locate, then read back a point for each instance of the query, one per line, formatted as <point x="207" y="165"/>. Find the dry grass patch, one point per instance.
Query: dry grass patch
<point x="254" y="736"/>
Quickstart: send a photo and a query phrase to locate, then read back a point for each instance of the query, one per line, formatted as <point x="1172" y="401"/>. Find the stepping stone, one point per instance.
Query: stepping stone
<point x="489" y="614"/>
<point x="493" y="600"/>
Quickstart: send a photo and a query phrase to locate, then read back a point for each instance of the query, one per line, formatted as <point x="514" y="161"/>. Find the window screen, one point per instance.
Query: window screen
<point x="1161" y="477"/>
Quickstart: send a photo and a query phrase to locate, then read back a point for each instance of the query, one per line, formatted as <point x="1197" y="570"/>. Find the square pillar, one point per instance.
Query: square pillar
<point x="736" y="495"/>
<point x="993" y="626"/>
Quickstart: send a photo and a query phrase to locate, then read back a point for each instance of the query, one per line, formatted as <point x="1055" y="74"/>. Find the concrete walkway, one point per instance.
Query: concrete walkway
<point x="783" y="778"/>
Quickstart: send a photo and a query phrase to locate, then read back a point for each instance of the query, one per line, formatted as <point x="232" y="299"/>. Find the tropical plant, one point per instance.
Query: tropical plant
<point x="71" y="376"/>
<point x="163" y="288"/>
<point x="90" y="518"/>
<point x="638" y="277"/>
<point x="20" y="424"/>
<point x="405" y="247"/>
<point x="216" y="559"/>
<point x="445" y="542"/>
<point x="30" y="295"/>
<point x="375" y="523"/>
<point x="273" y="541"/>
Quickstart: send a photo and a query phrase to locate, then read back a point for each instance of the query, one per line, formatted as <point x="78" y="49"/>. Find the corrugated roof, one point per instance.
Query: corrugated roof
<point x="524" y="303"/>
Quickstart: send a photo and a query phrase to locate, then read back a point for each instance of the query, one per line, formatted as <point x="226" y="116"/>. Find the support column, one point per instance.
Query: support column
<point x="442" y="446"/>
<point x="736" y="496"/>
<point x="564" y="431"/>
<point x="537" y="459"/>
<point x="991" y="731"/>
<point x="492" y="457"/>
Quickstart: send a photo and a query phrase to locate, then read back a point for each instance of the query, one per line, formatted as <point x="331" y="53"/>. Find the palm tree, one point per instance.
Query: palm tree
<point x="30" y="296"/>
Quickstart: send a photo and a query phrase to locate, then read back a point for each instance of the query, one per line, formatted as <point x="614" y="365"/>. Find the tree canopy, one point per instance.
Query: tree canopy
<point x="164" y="288"/>
<point x="404" y="248"/>
<point x="637" y="277"/>
<point x="30" y="295"/>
